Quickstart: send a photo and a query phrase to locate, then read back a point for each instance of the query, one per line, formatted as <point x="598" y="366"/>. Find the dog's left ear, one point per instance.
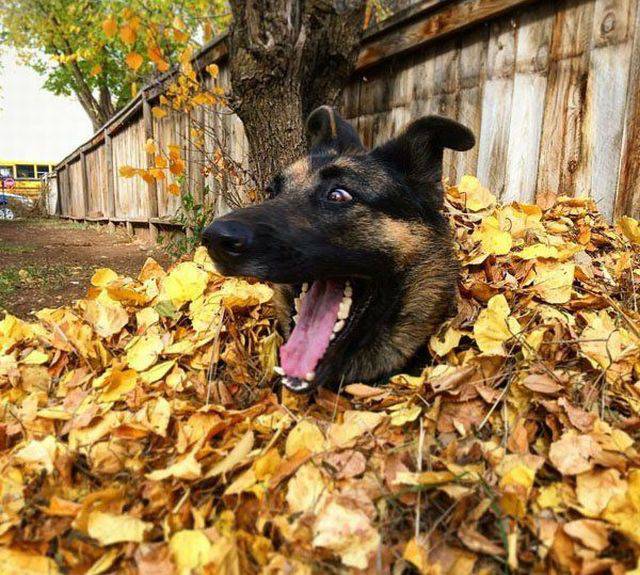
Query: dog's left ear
<point x="416" y="154"/>
<point x="328" y="131"/>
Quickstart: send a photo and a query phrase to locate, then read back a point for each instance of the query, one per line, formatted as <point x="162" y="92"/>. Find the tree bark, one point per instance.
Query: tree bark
<point x="285" y="58"/>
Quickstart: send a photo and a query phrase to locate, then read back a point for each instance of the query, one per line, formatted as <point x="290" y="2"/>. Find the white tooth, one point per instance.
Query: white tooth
<point x="332" y="337"/>
<point x="338" y="326"/>
<point x="310" y="376"/>
<point x="305" y="287"/>
<point x="295" y="319"/>
<point x="296" y="303"/>
<point x="278" y="370"/>
<point x="348" y="290"/>
<point x="343" y="310"/>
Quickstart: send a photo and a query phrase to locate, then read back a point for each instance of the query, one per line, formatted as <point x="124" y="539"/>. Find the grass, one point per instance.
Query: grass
<point x="16" y="249"/>
<point x="14" y="278"/>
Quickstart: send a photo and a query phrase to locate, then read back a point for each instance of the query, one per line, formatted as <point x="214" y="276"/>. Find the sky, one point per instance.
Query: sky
<point x="35" y="124"/>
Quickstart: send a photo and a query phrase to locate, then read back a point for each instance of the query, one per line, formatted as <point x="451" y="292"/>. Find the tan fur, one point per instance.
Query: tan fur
<point x="408" y="238"/>
<point x="282" y="302"/>
<point x="298" y="174"/>
<point x="332" y="123"/>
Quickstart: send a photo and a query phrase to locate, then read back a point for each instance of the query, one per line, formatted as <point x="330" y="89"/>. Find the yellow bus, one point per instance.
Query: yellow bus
<point x="27" y="175"/>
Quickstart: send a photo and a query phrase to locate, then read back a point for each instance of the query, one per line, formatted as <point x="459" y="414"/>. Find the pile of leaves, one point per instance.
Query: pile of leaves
<point x="143" y="429"/>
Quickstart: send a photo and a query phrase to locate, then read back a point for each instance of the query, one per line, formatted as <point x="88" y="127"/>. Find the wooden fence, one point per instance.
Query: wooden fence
<point x="551" y="89"/>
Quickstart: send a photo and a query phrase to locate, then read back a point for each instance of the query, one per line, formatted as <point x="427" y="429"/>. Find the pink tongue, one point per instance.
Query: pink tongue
<point x="310" y="337"/>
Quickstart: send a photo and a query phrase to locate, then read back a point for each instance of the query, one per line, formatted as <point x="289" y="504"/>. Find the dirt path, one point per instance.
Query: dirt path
<point x="47" y="263"/>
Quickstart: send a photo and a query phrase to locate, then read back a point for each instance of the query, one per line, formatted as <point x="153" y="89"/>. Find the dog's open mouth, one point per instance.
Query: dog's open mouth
<point x="323" y="314"/>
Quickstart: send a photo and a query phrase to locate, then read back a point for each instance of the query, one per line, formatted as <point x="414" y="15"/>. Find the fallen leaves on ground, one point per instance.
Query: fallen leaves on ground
<point x="142" y="430"/>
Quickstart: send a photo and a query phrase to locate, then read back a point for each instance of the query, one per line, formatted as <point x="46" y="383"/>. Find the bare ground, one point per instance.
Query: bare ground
<point x="48" y="262"/>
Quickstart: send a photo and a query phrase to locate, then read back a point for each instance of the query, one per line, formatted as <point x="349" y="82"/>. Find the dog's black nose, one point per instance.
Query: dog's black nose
<point x="227" y="238"/>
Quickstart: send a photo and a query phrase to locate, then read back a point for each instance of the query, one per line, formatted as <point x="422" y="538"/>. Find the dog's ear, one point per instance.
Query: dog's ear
<point x="327" y="131"/>
<point x="416" y="154"/>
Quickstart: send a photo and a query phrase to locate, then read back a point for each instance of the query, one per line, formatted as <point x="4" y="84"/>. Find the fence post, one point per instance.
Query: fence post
<point x="152" y="187"/>
<point x="85" y="183"/>
<point x="67" y="172"/>
<point x="111" y="195"/>
<point x="196" y="156"/>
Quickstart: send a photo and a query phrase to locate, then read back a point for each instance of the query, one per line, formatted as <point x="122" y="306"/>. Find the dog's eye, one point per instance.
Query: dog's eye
<point x="339" y="195"/>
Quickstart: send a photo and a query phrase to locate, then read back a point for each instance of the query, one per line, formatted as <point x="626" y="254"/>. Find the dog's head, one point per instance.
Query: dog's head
<point x="344" y="231"/>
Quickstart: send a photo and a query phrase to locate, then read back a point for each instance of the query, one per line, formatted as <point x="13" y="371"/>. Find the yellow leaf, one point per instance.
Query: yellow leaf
<point x="110" y="27"/>
<point x="307" y="491"/>
<point x="305" y="435"/>
<point x="157" y="372"/>
<point x="556" y="496"/>
<point x="186" y="468"/>
<point x="592" y="534"/>
<point x="630" y="228"/>
<point x="108" y="528"/>
<point x="538" y="251"/>
<point x="118" y="384"/>
<point x="416" y="554"/>
<point x="474" y="196"/>
<point x="180" y="36"/>
<point x="134" y="60"/>
<point x="190" y="550"/>
<point x="553" y="281"/>
<point x="146" y="317"/>
<point x="573" y="454"/>
<point x="442" y="344"/>
<point x="160" y="162"/>
<point x="354" y="424"/>
<point x="213" y="70"/>
<point x="174" y="152"/>
<point x="128" y="35"/>
<point x="16" y="562"/>
<point x="237" y="294"/>
<point x="623" y="511"/>
<point x="127" y="171"/>
<point x="493" y="240"/>
<point x="265" y="466"/>
<point x="495" y="326"/>
<point x="174" y="189"/>
<point x="177" y="167"/>
<point x="236" y="456"/>
<point x="150" y="147"/>
<point x="107" y="317"/>
<point x="401" y="417"/>
<point x="184" y="283"/>
<point x="595" y="489"/>
<point x="143" y="351"/>
<point x="95" y="70"/>
<point x="35" y="357"/>
<point x="516" y="486"/>
<point x="158" y="112"/>
<point x="426" y="478"/>
<point x="102" y="277"/>
<point x="40" y="453"/>
<point x="348" y="533"/>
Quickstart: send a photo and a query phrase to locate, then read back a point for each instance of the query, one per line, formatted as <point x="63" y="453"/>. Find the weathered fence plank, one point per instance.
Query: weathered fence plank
<point x="628" y="193"/>
<point x="496" y="106"/>
<point x="562" y="131"/>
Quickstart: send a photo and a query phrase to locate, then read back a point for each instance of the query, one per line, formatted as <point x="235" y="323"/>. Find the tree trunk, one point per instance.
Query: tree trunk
<point x="285" y="58"/>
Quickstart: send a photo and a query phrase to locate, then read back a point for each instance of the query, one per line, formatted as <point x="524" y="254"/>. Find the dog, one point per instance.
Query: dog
<point x="357" y="246"/>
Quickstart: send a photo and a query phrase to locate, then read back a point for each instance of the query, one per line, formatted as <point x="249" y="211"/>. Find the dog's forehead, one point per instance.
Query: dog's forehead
<point x="310" y="170"/>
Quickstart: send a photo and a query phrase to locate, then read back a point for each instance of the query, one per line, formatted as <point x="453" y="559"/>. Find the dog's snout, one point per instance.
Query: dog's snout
<point x="228" y="239"/>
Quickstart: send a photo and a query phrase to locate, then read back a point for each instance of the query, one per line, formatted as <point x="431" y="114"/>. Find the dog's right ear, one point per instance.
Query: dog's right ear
<point x="416" y="154"/>
<point x="328" y="131"/>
